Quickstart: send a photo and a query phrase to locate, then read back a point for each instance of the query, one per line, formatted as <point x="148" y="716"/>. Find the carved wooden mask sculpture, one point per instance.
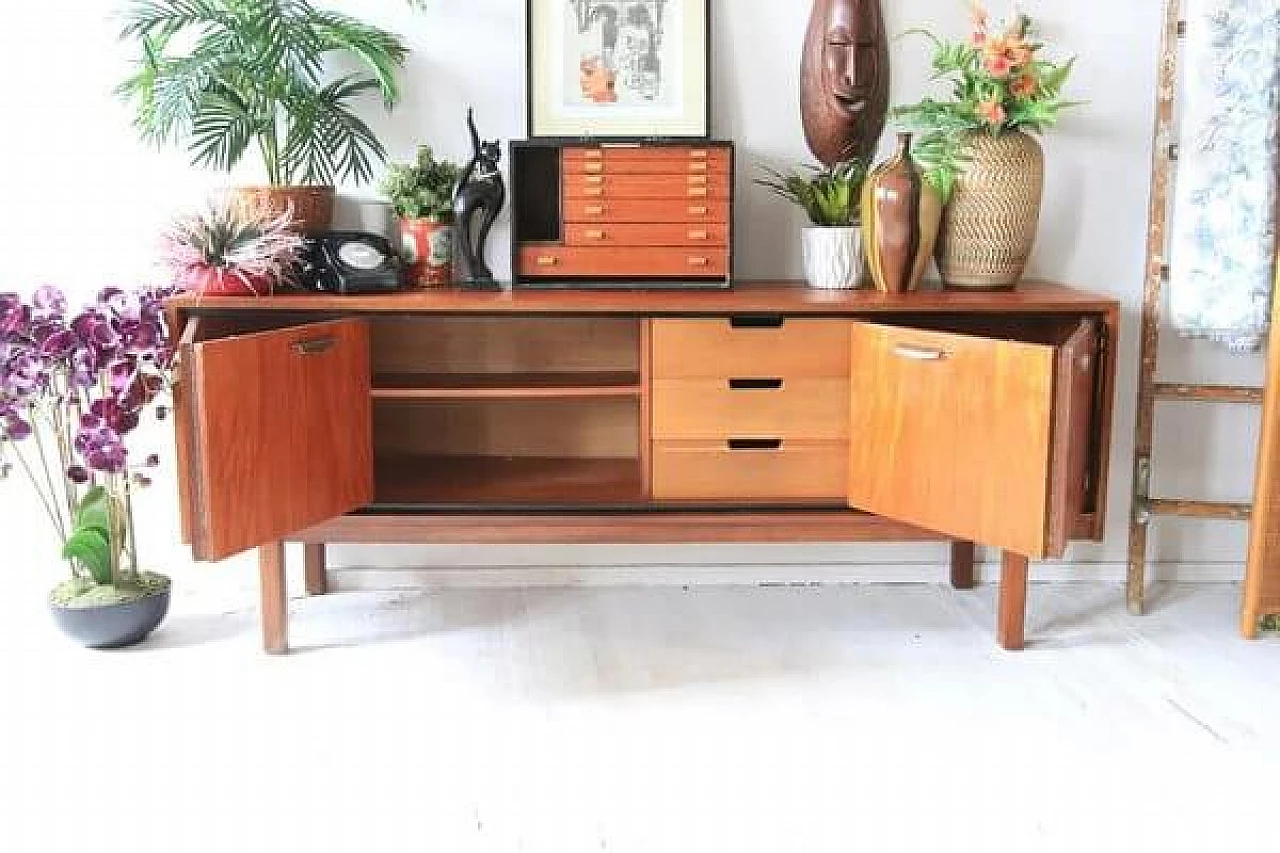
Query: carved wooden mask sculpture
<point x="844" y="79"/>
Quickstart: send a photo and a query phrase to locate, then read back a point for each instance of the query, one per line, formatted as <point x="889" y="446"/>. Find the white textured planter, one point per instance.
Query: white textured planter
<point x="833" y="258"/>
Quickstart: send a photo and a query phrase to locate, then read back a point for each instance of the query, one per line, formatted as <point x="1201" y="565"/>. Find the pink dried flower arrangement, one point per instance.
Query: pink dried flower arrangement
<point x="231" y="247"/>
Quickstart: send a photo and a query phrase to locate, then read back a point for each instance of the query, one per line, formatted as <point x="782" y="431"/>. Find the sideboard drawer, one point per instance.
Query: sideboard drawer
<point x="654" y="234"/>
<point x="750" y="346"/>
<point x="751" y="406"/>
<point x="680" y="186"/>
<point x="558" y="261"/>
<point x="648" y="159"/>
<point x="750" y="470"/>
<point x="641" y="210"/>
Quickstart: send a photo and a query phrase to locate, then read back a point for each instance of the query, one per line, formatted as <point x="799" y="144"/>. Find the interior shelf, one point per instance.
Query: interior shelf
<point x="505" y="386"/>
<point x="505" y="480"/>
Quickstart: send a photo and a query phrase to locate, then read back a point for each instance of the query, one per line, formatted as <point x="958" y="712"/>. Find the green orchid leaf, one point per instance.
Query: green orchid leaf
<point x="89" y="547"/>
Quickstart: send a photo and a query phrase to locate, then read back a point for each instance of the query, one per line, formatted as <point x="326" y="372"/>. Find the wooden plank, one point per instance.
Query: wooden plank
<point x="504" y="386"/>
<point x="1207" y="393"/>
<point x="1012" y="616"/>
<point x="503" y="480"/>
<point x="769" y="346"/>
<point x="1157" y="221"/>
<point x="787" y="297"/>
<point x="1199" y="509"/>
<point x="1262" y="570"/>
<point x="621" y="528"/>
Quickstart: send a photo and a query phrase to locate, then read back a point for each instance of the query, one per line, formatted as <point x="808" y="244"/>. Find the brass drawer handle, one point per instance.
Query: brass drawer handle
<point x="697" y="211"/>
<point x="593" y="167"/>
<point x="754" y="444"/>
<point x="593" y="154"/>
<point x="595" y="235"/>
<point x="699" y="261"/>
<point x="593" y="191"/>
<point x="755" y="384"/>
<point x="547" y="260"/>
<point x="919" y="353"/>
<point x="697" y="191"/>
<point x="593" y="180"/>
<point x="697" y="180"/>
<point x="314" y="346"/>
<point x="698" y="166"/>
<point x="697" y="235"/>
<point x="594" y="210"/>
<point x="698" y="154"/>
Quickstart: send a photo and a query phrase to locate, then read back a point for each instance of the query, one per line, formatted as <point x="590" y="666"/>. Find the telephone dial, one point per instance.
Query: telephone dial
<point x="350" y="262"/>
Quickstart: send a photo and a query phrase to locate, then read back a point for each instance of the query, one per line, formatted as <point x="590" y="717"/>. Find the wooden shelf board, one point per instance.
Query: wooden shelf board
<point x="514" y="481"/>
<point x="504" y="386"/>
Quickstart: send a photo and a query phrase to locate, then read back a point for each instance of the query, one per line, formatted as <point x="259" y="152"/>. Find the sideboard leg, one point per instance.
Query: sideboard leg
<point x="316" y="572"/>
<point x="275" y="598"/>
<point x="1010" y="630"/>
<point x="962" y="554"/>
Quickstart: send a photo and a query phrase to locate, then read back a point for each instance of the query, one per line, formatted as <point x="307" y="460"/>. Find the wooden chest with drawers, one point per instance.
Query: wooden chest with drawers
<point x="765" y="413"/>
<point x="622" y="215"/>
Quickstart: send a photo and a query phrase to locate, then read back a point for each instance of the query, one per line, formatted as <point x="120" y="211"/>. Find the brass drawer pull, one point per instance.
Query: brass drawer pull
<point x="754" y="444"/>
<point x="699" y="261"/>
<point x="697" y="235"/>
<point x="547" y="260"/>
<point x="698" y="166"/>
<point x="594" y="210"/>
<point x="698" y="154"/>
<point x="314" y="346"/>
<point x="755" y="384"/>
<point x="697" y="180"/>
<point x="919" y="353"/>
<point x="594" y="180"/>
<point x="593" y="167"/>
<point x="593" y="154"/>
<point x="595" y="235"/>
<point x="697" y="191"/>
<point x="595" y="191"/>
<point x="697" y="211"/>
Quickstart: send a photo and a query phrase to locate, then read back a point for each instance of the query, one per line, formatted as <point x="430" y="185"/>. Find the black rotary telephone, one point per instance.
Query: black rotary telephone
<point x="350" y="262"/>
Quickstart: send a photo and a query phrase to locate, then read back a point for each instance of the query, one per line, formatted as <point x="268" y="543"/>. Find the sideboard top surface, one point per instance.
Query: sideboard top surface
<point x="783" y="297"/>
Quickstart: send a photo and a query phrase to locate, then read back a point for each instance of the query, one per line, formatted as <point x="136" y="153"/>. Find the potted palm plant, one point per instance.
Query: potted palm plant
<point x="73" y="390"/>
<point x="223" y="76"/>
<point x="422" y="194"/>
<point x="831" y="198"/>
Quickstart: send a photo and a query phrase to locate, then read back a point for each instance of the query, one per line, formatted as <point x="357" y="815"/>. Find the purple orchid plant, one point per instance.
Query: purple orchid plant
<point x="73" y="389"/>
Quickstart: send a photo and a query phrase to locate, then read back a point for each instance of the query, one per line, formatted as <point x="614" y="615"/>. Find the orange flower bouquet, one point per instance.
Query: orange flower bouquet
<point x="1000" y="85"/>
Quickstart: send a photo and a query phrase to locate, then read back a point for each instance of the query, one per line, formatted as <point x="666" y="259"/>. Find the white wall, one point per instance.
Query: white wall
<point x="83" y="201"/>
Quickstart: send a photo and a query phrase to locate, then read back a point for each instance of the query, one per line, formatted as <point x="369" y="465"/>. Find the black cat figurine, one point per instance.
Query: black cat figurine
<point x="476" y="204"/>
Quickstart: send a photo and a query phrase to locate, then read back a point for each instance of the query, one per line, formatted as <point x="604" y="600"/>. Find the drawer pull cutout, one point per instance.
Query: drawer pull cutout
<point x="757" y="321"/>
<point x="315" y="346"/>
<point x="755" y="384"/>
<point x="547" y="260"/>
<point x="754" y="444"/>
<point x="595" y="210"/>
<point x="919" y="353"/>
<point x="697" y="211"/>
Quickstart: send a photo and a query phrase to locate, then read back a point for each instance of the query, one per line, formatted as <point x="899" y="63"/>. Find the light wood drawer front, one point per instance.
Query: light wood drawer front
<point x="655" y="234"/>
<point x="771" y="407"/>
<point x="665" y="159"/>
<point x="666" y="210"/>
<point x="750" y="347"/>
<point x="577" y="166"/>
<point x="803" y="471"/>
<point x="646" y="186"/>
<point x="607" y="262"/>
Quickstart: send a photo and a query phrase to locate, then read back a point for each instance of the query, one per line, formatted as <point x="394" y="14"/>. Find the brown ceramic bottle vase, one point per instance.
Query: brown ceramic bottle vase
<point x="900" y="218"/>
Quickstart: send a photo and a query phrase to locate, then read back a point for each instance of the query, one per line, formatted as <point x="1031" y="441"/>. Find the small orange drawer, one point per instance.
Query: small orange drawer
<point x="750" y="470"/>
<point x="751" y="406"/>
<point x="654" y="234"/>
<point x="647" y="186"/>
<point x="751" y="347"/>
<point x="646" y="210"/>
<point x="642" y="159"/>
<point x="612" y="262"/>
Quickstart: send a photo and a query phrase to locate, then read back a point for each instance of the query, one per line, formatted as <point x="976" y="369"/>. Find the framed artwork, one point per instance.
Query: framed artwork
<point x="624" y="69"/>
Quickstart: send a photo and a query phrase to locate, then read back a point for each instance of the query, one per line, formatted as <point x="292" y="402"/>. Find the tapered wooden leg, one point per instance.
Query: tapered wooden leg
<point x="275" y="599"/>
<point x="1010" y="630"/>
<point x="314" y="566"/>
<point x="962" y="565"/>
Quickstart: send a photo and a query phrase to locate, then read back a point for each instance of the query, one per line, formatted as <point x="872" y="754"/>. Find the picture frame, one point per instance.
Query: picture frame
<point x="618" y="69"/>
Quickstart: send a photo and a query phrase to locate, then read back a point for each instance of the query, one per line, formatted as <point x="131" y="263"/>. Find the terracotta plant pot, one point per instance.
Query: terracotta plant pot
<point x="312" y="207"/>
<point x="219" y="281"/>
<point x="427" y="245"/>
<point x="989" y="227"/>
<point x="900" y="219"/>
<point x="833" y="258"/>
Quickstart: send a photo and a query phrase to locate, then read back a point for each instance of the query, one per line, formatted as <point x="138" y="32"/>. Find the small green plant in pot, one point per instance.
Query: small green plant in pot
<point x="831" y="198"/>
<point x="73" y="390"/>
<point x="422" y="194"/>
<point x="224" y="76"/>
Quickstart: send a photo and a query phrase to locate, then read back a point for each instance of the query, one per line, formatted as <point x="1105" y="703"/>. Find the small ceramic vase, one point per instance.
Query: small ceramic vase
<point x="900" y="219"/>
<point x="428" y="248"/>
<point x="833" y="257"/>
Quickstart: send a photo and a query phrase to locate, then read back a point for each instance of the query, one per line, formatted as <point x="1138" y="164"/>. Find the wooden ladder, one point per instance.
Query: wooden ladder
<point x="1262" y="589"/>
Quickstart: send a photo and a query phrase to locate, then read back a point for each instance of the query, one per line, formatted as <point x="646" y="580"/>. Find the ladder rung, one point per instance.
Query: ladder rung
<point x="1208" y="393"/>
<point x="1199" y="509"/>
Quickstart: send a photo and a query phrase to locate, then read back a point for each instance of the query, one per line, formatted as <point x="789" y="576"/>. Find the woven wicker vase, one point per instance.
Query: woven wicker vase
<point x="990" y="224"/>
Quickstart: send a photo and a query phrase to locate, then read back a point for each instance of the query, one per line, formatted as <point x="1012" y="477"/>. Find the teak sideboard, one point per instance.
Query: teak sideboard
<point x="764" y="413"/>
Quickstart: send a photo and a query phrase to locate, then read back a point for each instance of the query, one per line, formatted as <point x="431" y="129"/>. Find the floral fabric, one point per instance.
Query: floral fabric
<point x="1223" y="250"/>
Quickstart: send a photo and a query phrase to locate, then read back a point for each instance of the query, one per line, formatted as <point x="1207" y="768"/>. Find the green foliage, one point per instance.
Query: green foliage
<point x="223" y="75"/>
<point x="96" y="538"/>
<point x="830" y="197"/>
<point x="423" y="189"/>
<point x="83" y="592"/>
<point x="998" y="85"/>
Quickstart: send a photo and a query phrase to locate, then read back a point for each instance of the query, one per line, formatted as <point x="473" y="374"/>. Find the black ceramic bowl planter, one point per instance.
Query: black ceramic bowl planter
<point x="104" y="617"/>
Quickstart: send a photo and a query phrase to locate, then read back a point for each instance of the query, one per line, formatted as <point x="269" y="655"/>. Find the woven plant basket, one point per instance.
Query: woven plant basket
<point x="990" y="224"/>
<point x="311" y="206"/>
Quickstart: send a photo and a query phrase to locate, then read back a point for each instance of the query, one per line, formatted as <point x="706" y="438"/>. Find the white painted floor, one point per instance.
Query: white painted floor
<point x="854" y="718"/>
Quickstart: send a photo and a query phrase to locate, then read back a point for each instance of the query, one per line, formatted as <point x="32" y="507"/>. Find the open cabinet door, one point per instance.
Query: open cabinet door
<point x="276" y="432"/>
<point x="980" y="438"/>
